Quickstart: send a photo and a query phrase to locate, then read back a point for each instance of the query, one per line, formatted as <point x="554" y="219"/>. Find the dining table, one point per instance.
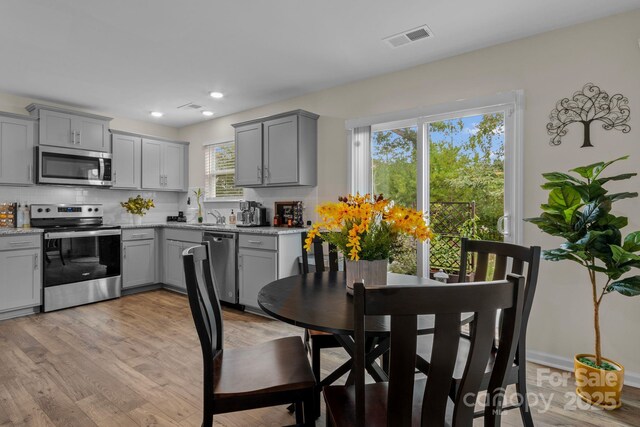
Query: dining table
<point x="320" y="301"/>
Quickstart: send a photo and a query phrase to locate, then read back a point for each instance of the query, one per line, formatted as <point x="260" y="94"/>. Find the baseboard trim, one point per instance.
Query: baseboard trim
<point x="631" y="379"/>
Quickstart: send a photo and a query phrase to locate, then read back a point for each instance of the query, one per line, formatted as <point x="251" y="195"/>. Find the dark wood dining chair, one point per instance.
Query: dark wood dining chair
<point x="318" y="340"/>
<point x="269" y="374"/>
<point x="495" y="257"/>
<point x="407" y="400"/>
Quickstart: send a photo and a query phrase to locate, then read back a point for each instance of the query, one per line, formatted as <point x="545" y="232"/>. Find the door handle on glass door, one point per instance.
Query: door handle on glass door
<point x="503" y="225"/>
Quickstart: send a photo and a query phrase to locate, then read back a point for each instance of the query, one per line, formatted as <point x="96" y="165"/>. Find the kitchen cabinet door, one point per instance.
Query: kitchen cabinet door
<point x="16" y="151"/>
<point x="173" y="267"/>
<point x="249" y="155"/>
<point x="20" y="282"/>
<point x="57" y="129"/>
<point x="127" y="158"/>
<point x="281" y="151"/>
<point x="138" y="263"/>
<point x="256" y="268"/>
<point x="173" y="166"/>
<point x="91" y="134"/>
<point x="152" y="164"/>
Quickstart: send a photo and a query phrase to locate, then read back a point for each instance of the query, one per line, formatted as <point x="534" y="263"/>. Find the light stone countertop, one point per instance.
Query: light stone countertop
<point x="19" y="231"/>
<point x="217" y="227"/>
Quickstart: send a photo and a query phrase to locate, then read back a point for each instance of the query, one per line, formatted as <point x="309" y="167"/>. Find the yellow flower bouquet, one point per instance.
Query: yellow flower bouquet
<point x="137" y="205"/>
<point x="367" y="227"/>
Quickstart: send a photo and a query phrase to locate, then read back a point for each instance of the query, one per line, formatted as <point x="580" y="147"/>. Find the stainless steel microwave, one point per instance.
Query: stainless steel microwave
<point x="68" y="166"/>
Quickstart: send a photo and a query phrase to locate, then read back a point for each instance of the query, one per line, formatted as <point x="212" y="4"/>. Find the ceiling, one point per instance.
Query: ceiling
<point x="129" y="58"/>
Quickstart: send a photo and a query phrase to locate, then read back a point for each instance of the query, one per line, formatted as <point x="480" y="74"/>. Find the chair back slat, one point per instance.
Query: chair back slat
<point x="447" y="302"/>
<point x="318" y="256"/>
<point x="482" y="266"/>
<point x="203" y="301"/>
<point x="500" y="267"/>
<point x="305" y="255"/>
<point x="481" y="337"/>
<point x="443" y="361"/>
<point x="517" y="266"/>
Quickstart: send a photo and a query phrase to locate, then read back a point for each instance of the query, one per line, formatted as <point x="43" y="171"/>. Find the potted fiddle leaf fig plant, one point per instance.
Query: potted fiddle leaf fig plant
<point x="579" y="210"/>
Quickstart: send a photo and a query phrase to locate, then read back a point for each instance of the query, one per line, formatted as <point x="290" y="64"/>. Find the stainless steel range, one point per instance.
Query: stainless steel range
<point x="81" y="255"/>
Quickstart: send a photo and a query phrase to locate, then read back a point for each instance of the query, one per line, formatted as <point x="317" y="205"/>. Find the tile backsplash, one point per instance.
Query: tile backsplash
<point x="166" y="202"/>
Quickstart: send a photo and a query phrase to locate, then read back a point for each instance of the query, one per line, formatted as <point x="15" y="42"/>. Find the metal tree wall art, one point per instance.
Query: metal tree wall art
<point x="585" y="106"/>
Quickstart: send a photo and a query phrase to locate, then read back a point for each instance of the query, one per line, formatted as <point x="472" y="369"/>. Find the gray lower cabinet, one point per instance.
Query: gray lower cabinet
<point x="277" y="151"/>
<point x="71" y="129"/>
<point x="175" y="242"/>
<point x="21" y="279"/>
<point x="138" y="263"/>
<point x="256" y="268"/>
<point x="16" y="149"/>
<point x="127" y="161"/>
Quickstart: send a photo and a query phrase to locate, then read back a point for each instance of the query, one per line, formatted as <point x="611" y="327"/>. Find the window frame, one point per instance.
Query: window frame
<point x="209" y="174"/>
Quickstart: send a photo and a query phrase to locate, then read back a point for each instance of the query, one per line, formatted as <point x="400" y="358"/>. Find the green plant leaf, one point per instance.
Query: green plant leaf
<point x="564" y="197"/>
<point x="591" y="213"/>
<point x="561" y="177"/>
<point x="593" y="170"/>
<point x="590" y="192"/>
<point x="619" y="196"/>
<point x="616" y="178"/>
<point x="613" y="221"/>
<point x="559" y="255"/>
<point x="629" y="286"/>
<point x="632" y="242"/>
<point x="621" y="256"/>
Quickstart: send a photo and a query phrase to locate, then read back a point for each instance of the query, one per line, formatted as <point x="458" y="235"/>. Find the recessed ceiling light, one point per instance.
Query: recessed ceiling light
<point x="157" y="114"/>
<point x="207" y="113"/>
<point x="216" y="95"/>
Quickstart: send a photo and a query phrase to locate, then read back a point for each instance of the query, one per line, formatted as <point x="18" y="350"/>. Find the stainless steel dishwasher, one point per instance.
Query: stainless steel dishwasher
<point x="224" y="258"/>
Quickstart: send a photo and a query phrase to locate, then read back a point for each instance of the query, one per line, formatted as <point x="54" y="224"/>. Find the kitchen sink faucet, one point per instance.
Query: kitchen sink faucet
<point x="220" y="219"/>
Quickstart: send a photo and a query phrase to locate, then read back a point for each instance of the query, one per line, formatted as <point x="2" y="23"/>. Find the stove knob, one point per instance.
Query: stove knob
<point x="96" y="209"/>
<point x="39" y="209"/>
<point x="90" y="209"/>
<point x="47" y="210"/>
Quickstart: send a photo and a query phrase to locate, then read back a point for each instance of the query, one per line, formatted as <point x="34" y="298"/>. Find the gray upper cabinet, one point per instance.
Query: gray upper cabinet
<point x="249" y="155"/>
<point x="277" y="151"/>
<point x="164" y="165"/>
<point x="127" y="161"/>
<point x="16" y="149"/>
<point x="71" y="129"/>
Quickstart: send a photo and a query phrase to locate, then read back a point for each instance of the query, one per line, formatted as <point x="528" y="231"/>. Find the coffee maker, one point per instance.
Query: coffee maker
<point x="252" y="214"/>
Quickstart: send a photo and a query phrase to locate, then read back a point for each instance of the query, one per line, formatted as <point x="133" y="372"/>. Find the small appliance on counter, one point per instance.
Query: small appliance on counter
<point x="179" y="218"/>
<point x="252" y="214"/>
<point x="288" y="214"/>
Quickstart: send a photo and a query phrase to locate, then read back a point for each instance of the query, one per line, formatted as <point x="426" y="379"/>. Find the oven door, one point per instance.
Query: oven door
<point x="73" y="167"/>
<point x="79" y="256"/>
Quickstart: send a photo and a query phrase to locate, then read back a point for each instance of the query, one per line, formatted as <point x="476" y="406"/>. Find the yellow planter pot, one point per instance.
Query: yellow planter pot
<point x="597" y="386"/>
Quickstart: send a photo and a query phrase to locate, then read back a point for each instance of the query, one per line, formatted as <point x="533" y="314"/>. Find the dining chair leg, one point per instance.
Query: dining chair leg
<point x="207" y="415"/>
<point x="309" y="406"/>
<point x="521" y="389"/>
<point x="315" y="367"/>
<point x="299" y="413"/>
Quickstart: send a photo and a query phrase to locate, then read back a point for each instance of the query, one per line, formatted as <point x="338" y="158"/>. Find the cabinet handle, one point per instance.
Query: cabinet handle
<point x="255" y="242"/>
<point x="259" y="173"/>
<point x="19" y="243"/>
<point x="79" y="138"/>
<point x="239" y="261"/>
<point x="35" y="264"/>
<point x="138" y="235"/>
<point x="160" y="180"/>
<point x="114" y="177"/>
<point x="29" y="172"/>
<point x="73" y="137"/>
<point x="124" y="252"/>
<point x="267" y="174"/>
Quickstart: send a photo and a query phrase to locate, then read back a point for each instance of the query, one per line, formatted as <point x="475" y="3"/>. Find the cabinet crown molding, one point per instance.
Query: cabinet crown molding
<point x="277" y="116"/>
<point x="34" y="110"/>
<point x="143" y="136"/>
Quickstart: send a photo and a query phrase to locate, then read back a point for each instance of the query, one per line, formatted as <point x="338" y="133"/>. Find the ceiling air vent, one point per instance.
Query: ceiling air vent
<point x="190" y="105"/>
<point x="409" y="36"/>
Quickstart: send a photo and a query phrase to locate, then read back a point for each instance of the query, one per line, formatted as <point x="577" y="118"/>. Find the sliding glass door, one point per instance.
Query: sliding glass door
<point x="458" y="167"/>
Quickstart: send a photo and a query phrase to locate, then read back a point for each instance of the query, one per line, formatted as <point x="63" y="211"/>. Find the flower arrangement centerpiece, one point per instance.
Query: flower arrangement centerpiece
<point x="366" y="230"/>
<point x="138" y="207"/>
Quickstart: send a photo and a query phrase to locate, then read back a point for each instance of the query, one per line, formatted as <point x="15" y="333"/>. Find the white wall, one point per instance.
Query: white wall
<point x="548" y="67"/>
<point x="166" y="203"/>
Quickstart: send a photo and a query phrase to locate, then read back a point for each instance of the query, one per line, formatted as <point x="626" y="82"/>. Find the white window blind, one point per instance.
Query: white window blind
<point x="220" y="173"/>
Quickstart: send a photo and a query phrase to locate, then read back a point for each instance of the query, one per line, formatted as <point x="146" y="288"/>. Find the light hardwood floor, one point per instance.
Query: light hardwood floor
<point x="136" y="361"/>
